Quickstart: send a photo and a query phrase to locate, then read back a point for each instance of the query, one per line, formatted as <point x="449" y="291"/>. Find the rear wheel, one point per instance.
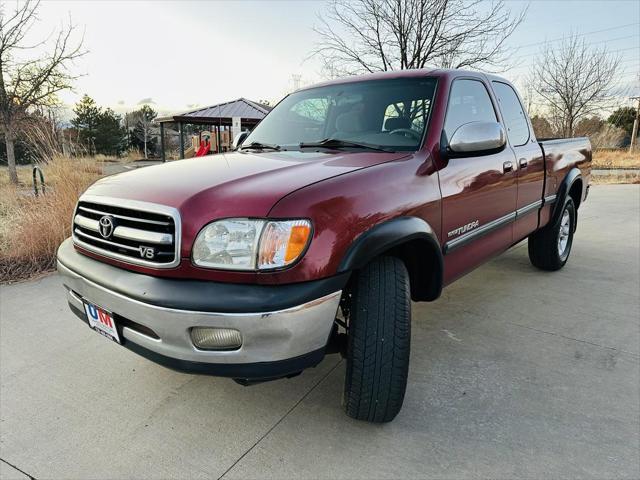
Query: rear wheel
<point x="549" y="248"/>
<point x="379" y="333"/>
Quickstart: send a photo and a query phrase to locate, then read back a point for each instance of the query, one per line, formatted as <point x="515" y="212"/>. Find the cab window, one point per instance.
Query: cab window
<point x="514" y="117"/>
<point x="469" y="102"/>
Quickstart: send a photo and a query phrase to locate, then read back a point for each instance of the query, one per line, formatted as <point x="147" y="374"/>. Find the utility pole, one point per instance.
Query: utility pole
<point x="634" y="132"/>
<point x="296" y="77"/>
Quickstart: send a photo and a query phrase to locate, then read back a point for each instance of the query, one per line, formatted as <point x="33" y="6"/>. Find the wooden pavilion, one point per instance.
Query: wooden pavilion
<point x="220" y="119"/>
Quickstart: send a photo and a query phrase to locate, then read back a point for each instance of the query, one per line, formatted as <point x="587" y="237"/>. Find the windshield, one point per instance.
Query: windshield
<point x="387" y="114"/>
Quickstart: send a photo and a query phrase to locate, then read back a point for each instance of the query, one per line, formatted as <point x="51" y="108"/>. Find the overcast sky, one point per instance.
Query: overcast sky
<point x="183" y="54"/>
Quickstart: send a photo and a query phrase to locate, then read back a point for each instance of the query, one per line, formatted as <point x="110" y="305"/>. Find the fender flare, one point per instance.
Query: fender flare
<point x="393" y="233"/>
<point x="563" y="190"/>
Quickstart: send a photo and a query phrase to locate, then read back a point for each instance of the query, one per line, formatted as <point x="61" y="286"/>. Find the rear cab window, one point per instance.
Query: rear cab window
<point x="513" y="114"/>
<point x="410" y="114"/>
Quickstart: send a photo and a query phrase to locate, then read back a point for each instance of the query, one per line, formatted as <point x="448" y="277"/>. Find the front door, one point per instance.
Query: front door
<point x="478" y="193"/>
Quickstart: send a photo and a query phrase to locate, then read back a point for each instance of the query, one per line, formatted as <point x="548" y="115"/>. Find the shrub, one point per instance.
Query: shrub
<point x="620" y="158"/>
<point x="32" y="228"/>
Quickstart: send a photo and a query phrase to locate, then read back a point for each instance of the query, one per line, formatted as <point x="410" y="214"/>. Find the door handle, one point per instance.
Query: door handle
<point x="523" y="163"/>
<point x="507" y="166"/>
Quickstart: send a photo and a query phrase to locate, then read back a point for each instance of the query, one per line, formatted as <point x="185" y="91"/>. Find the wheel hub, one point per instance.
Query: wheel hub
<point x="564" y="232"/>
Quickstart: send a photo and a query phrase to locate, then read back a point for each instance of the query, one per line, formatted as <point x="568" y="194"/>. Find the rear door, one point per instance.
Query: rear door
<point x="529" y="160"/>
<point x="478" y="193"/>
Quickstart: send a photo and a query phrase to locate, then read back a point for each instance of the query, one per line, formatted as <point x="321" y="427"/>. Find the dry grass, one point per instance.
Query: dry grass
<point x="617" y="178"/>
<point x="24" y="177"/>
<point x="616" y="159"/>
<point x="32" y="228"/>
<point x="132" y="155"/>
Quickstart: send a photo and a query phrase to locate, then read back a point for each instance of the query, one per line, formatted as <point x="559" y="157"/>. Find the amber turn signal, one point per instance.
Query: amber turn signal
<point x="297" y="242"/>
<point x="283" y="242"/>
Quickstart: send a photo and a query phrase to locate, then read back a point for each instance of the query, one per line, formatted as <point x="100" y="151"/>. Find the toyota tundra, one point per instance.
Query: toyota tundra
<point x="350" y="200"/>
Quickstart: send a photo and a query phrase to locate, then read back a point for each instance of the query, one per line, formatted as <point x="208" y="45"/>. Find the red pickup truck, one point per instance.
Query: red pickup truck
<point x="348" y="201"/>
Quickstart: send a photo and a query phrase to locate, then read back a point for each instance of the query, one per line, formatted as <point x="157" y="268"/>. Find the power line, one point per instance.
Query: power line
<point x="624" y="49"/>
<point x="624" y="89"/>
<point x="608" y="40"/>
<point x="615" y="119"/>
<point x="623" y="61"/>
<point x="624" y="92"/>
<point x="530" y="55"/>
<point x="579" y="35"/>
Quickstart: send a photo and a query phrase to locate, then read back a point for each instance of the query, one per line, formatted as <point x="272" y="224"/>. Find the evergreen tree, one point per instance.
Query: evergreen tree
<point x="110" y="136"/>
<point x="623" y="118"/>
<point x="86" y="122"/>
<point x="101" y="131"/>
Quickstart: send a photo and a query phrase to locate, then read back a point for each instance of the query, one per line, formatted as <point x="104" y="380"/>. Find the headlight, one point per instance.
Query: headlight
<point x="245" y="244"/>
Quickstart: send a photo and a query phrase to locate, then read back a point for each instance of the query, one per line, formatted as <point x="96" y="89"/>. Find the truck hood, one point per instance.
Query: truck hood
<point x="238" y="184"/>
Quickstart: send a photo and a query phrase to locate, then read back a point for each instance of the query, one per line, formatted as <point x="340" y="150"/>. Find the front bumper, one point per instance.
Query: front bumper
<point x="275" y="342"/>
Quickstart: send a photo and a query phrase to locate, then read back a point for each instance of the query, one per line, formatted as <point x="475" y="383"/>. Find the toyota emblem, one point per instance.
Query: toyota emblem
<point x="105" y="226"/>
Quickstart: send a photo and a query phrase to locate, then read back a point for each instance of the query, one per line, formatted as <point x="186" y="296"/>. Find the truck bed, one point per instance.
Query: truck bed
<point x="563" y="154"/>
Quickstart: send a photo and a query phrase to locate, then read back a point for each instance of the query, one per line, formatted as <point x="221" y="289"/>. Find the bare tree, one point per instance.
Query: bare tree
<point x="142" y="124"/>
<point x="42" y="132"/>
<point x="26" y="84"/>
<point x="574" y="81"/>
<point x="360" y="36"/>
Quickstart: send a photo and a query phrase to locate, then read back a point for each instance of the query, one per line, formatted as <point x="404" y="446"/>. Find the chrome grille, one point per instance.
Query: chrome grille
<point x="135" y="232"/>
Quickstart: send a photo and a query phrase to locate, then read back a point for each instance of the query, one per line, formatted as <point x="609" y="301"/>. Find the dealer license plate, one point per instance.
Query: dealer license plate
<point x="102" y="321"/>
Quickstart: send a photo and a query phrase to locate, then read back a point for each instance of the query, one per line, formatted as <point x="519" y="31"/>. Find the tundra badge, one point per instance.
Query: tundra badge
<point x="464" y="228"/>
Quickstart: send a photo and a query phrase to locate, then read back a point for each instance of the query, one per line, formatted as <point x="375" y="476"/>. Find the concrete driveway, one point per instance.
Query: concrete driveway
<point x="515" y="373"/>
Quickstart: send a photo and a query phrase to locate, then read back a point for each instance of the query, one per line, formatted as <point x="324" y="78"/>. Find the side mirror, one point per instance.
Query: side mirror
<point x="240" y="138"/>
<point x="477" y="138"/>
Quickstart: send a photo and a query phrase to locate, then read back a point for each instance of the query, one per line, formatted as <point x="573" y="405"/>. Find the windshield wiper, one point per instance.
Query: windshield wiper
<point x="260" y="146"/>
<point x="336" y="143"/>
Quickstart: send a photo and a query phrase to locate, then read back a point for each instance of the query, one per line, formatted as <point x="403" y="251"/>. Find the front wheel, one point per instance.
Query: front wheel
<point x="549" y="248"/>
<point x="379" y="334"/>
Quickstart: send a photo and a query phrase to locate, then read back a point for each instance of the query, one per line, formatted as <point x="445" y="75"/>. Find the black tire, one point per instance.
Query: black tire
<point x="378" y="343"/>
<point x="544" y="250"/>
